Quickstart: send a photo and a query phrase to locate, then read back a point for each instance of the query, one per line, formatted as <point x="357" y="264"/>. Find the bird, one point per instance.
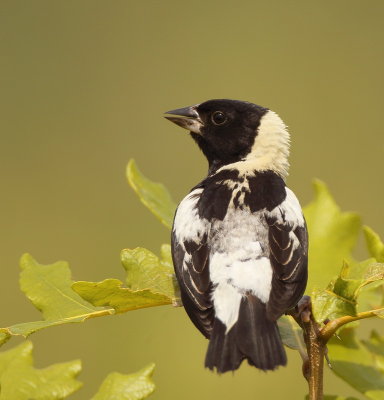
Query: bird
<point x="239" y="238"/>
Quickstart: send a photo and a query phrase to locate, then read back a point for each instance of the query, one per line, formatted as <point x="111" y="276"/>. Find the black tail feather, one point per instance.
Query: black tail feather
<point x="223" y="354"/>
<point x="253" y="337"/>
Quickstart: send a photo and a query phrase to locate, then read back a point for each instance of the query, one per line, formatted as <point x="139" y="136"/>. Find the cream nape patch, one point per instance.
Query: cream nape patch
<point x="270" y="151"/>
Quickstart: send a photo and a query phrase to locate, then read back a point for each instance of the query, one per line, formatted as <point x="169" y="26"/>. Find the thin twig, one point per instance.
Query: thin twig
<point x="332" y="326"/>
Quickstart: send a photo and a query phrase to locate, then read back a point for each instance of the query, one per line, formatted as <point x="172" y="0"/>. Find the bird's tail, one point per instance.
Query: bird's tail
<point x="253" y="337"/>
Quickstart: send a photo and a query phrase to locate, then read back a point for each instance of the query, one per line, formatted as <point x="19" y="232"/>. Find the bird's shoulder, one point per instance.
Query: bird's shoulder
<point x="188" y="224"/>
<point x="288" y="255"/>
<point x="263" y="192"/>
<point x="230" y="189"/>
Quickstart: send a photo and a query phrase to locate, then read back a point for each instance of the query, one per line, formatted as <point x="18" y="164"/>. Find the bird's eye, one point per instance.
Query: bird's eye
<point x="219" y="118"/>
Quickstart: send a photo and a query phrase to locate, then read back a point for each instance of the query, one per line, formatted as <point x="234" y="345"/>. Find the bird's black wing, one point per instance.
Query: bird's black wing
<point x="190" y="253"/>
<point x="288" y="247"/>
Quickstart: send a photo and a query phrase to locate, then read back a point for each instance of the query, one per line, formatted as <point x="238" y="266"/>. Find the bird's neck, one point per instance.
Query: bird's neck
<point x="214" y="161"/>
<point x="269" y="152"/>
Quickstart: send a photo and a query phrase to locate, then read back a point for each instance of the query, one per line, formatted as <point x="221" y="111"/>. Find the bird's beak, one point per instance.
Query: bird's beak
<point x="187" y="118"/>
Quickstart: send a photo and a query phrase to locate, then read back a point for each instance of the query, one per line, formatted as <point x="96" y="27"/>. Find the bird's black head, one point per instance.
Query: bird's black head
<point x="225" y="130"/>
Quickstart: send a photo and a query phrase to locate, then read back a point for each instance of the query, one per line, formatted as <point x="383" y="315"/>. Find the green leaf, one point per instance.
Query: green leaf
<point x="135" y="386"/>
<point x="375" y="394"/>
<point x="19" y="380"/>
<point x="150" y="282"/>
<point x="327" y="305"/>
<point x="48" y="287"/>
<point x="374" y="243"/>
<point x="292" y="335"/>
<point x="375" y="345"/>
<point x="166" y="255"/>
<point x="330" y="397"/>
<point x="380" y="313"/>
<point x="110" y="293"/>
<point x="147" y="271"/>
<point x="153" y="195"/>
<point x="352" y="361"/>
<point x="341" y="295"/>
<point x="332" y="236"/>
<point x="339" y="398"/>
<point x="372" y="296"/>
<point x="4" y="336"/>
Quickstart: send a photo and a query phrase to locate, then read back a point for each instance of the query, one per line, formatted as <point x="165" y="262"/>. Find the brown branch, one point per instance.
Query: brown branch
<point x="316" y="339"/>
<point x="316" y="349"/>
<point x="313" y="366"/>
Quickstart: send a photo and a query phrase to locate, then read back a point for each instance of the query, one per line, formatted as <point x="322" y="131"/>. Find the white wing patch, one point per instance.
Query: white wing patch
<point x="188" y="225"/>
<point x="289" y="211"/>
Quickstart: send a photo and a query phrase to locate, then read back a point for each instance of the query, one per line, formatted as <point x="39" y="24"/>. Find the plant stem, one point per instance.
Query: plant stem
<point x="316" y="349"/>
<point x="313" y="366"/>
<point x="332" y="326"/>
<point x="316" y="339"/>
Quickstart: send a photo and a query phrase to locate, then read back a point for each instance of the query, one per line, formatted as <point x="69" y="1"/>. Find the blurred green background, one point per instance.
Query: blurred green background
<point x="83" y="85"/>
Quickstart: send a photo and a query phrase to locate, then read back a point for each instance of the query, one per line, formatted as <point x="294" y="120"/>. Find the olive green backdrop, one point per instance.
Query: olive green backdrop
<point x="83" y="85"/>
